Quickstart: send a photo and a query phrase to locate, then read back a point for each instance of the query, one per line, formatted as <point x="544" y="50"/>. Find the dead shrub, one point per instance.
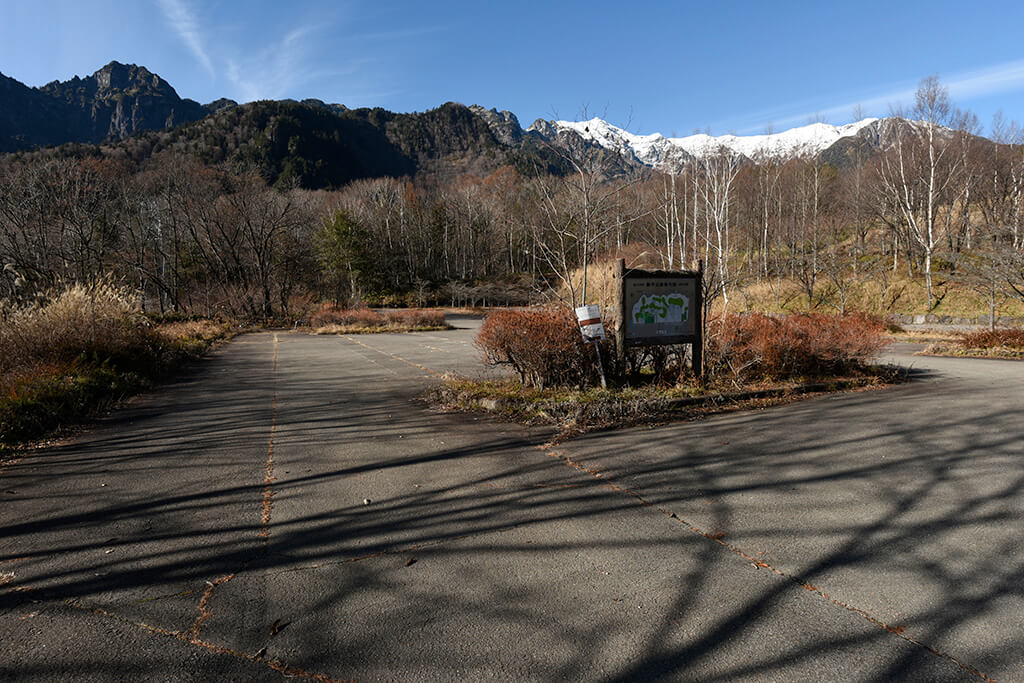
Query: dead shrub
<point x="758" y="347"/>
<point x="355" y="317"/>
<point x="78" y="351"/>
<point x="416" y="317"/>
<point x="334" y="318"/>
<point x="992" y="339"/>
<point x="101" y="320"/>
<point x="543" y="346"/>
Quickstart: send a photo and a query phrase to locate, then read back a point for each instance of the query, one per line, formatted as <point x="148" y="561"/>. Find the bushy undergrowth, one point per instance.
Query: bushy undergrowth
<point x="993" y="339"/>
<point x="543" y="346"/>
<point x="76" y="321"/>
<point x="329" y="317"/>
<point x="545" y="349"/>
<point x="78" y="351"/>
<point x="416" y="317"/>
<point x="754" y="347"/>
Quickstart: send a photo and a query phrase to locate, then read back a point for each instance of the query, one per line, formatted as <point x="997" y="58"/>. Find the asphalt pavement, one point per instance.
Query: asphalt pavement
<point x="289" y="508"/>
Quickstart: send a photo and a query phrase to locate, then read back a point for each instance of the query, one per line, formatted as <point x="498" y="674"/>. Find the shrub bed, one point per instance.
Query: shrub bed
<point x="544" y="347"/>
<point x="1002" y="343"/>
<point x="1012" y="339"/>
<point x="332" y="319"/>
<point x="751" y="360"/>
<point x="754" y="347"/>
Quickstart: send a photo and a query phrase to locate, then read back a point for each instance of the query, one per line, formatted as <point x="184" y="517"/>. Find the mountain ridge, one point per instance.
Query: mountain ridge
<point x="116" y="101"/>
<point x="320" y="144"/>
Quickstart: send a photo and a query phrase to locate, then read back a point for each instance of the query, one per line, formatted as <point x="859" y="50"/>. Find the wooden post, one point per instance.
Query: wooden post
<point x="600" y="365"/>
<point x="620" y="309"/>
<point x="698" y="328"/>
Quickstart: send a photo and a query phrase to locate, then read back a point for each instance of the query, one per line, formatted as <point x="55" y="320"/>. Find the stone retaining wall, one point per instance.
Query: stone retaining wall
<point x="933" y="319"/>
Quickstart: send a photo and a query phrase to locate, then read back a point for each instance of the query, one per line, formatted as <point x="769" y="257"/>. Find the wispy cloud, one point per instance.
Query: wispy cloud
<point x="283" y="67"/>
<point x="275" y="71"/>
<point x="183" y="21"/>
<point x="998" y="78"/>
<point x="989" y="81"/>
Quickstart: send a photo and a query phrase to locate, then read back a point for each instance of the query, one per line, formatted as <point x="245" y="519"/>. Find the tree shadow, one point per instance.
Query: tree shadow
<point x="873" y="535"/>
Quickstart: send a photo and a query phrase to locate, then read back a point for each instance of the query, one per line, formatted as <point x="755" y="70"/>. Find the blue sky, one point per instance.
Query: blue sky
<point x="670" y="67"/>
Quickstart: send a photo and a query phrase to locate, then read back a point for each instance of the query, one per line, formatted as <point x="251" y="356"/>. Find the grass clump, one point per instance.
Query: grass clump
<point x="79" y="350"/>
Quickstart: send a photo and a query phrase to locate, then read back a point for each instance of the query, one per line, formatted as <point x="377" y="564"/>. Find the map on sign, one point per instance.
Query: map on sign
<point x="661" y="308"/>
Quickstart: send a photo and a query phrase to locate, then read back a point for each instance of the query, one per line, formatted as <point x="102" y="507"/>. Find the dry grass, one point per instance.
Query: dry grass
<point x="334" y="320"/>
<point x="207" y="330"/>
<point x="921" y="336"/>
<point x="899" y="294"/>
<point x="1000" y="343"/>
<point x="74" y="321"/>
<point x="81" y="350"/>
<point x="574" y="411"/>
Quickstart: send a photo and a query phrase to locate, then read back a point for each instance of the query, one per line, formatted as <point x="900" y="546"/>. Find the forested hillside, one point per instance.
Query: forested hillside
<point x="258" y="210"/>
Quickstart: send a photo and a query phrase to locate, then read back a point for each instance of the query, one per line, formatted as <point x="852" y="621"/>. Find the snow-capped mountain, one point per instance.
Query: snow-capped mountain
<point x="807" y="140"/>
<point x="658" y="151"/>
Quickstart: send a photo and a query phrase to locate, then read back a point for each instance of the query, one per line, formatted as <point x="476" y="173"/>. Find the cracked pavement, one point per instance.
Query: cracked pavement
<point x="287" y="509"/>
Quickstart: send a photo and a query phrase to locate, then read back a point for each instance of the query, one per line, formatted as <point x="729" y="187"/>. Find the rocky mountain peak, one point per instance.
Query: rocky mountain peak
<point x="503" y="124"/>
<point x="117" y="77"/>
<point x="116" y="101"/>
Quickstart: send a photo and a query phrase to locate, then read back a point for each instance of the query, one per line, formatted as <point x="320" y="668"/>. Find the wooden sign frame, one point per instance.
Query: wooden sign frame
<point x="632" y="333"/>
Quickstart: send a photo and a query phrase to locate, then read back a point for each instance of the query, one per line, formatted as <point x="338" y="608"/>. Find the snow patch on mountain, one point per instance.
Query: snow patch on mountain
<point x="658" y="151"/>
<point x="803" y="141"/>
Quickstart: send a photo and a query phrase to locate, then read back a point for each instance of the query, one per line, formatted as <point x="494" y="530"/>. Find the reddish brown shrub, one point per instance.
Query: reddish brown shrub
<point x="544" y="346"/>
<point x="416" y="317"/>
<point x="756" y="346"/>
<point x="333" y="315"/>
<point x="993" y="339"/>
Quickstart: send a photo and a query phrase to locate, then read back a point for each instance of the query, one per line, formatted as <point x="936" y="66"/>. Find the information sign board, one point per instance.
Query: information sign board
<point x="660" y="308"/>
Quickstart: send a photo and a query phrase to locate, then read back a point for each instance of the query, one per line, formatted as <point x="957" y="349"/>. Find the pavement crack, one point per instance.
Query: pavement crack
<point x="188" y="637"/>
<point x="718" y="537"/>
<point x="179" y="594"/>
<point x="267" y="502"/>
<point x="204" y="604"/>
